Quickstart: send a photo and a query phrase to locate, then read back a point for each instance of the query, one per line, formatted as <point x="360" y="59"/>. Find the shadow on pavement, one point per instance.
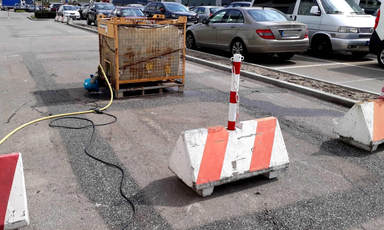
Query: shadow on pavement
<point x="171" y="191"/>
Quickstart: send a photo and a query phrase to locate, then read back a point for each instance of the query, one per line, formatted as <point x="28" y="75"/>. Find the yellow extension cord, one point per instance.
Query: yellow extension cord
<point x="63" y="114"/>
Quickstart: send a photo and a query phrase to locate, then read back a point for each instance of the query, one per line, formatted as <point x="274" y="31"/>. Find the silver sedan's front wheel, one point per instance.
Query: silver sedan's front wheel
<point x="238" y="47"/>
<point x="380" y="57"/>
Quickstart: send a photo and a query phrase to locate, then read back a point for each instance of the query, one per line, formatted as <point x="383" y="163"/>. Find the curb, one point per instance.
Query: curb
<point x="302" y="89"/>
<point x="82" y="28"/>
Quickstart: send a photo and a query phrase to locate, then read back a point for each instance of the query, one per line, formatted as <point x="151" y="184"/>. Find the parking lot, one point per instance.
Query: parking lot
<point x="328" y="185"/>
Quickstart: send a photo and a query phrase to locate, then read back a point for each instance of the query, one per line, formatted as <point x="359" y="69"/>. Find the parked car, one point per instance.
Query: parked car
<point x="240" y="4"/>
<point x="32" y="8"/>
<point x="54" y="7"/>
<point x="333" y="25"/>
<point x="81" y="11"/>
<point x="205" y="12"/>
<point x="98" y="8"/>
<point x="84" y="12"/>
<point x="377" y="40"/>
<point x="127" y="12"/>
<point x="170" y="10"/>
<point x="250" y="30"/>
<point x="68" y="11"/>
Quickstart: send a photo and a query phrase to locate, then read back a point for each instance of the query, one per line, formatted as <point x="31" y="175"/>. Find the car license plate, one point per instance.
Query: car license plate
<point x="289" y="33"/>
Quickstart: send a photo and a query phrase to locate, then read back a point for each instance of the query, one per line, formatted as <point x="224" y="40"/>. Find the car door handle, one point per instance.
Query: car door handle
<point x="232" y="27"/>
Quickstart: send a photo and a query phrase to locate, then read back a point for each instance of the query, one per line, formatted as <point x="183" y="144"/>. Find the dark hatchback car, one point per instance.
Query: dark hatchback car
<point x="99" y="8"/>
<point x="127" y="12"/>
<point x="170" y="10"/>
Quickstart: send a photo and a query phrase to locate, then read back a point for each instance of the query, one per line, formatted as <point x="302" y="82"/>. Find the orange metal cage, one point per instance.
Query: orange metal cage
<point x="141" y="50"/>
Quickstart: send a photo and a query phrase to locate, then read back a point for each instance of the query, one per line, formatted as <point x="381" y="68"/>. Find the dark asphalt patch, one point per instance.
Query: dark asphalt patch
<point x="97" y="181"/>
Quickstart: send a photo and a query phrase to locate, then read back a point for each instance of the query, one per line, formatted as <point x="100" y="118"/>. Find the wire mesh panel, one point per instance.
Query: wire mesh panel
<point x="150" y="51"/>
<point x="142" y="49"/>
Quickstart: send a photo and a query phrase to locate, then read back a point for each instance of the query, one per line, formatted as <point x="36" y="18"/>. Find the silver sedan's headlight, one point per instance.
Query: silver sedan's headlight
<point x="346" y="29"/>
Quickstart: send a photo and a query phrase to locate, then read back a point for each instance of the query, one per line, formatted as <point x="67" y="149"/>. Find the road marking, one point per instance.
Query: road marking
<point x="308" y="66"/>
<point x="360" y="80"/>
<point x="334" y="63"/>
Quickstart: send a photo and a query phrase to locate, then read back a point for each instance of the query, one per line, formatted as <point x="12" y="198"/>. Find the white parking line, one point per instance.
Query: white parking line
<point x="330" y="63"/>
<point x="360" y="80"/>
<point x="308" y="66"/>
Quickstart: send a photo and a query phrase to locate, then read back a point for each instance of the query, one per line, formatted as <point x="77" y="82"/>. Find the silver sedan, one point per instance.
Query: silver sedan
<point x="250" y="30"/>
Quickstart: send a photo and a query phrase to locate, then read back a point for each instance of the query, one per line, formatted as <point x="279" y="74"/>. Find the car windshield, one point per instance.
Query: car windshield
<point x="341" y="7"/>
<point x="69" y="8"/>
<point x="174" y="7"/>
<point x="214" y="10"/>
<point x="105" y="6"/>
<point x="267" y="15"/>
<point x="131" y="13"/>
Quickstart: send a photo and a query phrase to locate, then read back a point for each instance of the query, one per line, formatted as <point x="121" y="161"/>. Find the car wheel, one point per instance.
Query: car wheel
<point x="238" y="47"/>
<point x="359" y="55"/>
<point x="89" y="21"/>
<point x="190" y="41"/>
<point x="285" y="56"/>
<point x="322" y="47"/>
<point x="380" y="57"/>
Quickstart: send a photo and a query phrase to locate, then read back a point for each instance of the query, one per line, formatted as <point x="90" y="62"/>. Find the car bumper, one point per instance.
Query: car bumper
<point x="280" y="46"/>
<point x="358" y="45"/>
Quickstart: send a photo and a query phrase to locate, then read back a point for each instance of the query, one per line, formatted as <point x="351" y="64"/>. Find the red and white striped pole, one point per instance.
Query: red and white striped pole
<point x="233" y="96"/>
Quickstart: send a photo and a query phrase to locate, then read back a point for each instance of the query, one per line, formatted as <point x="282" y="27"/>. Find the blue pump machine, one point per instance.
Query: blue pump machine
<point x="92" y="83"/>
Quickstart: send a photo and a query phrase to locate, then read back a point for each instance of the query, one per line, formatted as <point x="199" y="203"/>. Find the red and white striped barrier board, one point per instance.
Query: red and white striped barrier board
<point x="207" y="157"/>
<point x="363" y="125"/>
<point x="13" y="198"/>
<point x="233" y="114"/>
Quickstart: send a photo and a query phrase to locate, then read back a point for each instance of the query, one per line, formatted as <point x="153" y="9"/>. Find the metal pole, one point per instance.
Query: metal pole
<point x="233" y="114"/>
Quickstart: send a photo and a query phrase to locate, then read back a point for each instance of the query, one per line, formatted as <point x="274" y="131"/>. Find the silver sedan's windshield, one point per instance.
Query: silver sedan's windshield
<point x="341" y="7"/>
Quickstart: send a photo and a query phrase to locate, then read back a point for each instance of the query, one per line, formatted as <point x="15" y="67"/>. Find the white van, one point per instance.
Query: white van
<point x="377" y="40"/>
<point x="334" y="25"/>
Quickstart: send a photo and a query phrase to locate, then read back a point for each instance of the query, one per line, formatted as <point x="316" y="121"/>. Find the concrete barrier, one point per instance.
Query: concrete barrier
<point x="207" y="157"/>
<point x="13" y="198"/>
<point x="363" y="125"/>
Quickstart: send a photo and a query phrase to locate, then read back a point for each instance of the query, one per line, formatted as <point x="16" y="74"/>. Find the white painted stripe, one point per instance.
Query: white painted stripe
<point x="235" y="82"/>
<point x="232" y="112"/>
<point x="368" y="112"/>
<point x="17" y="215"/>
<point x="238" y="154"/>
<point x="355" y="64"/>
<point x="195" y="141"/>
<point x="360" y="80"/>
<point x="308" y="66"/>
<point x="279" y="154"/>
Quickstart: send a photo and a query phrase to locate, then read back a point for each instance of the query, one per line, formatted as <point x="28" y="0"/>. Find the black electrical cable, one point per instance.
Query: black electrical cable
<point x="93" y="125"/>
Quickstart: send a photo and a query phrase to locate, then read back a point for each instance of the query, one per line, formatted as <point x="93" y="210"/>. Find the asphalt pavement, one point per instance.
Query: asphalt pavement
<point x="329" y="185"/>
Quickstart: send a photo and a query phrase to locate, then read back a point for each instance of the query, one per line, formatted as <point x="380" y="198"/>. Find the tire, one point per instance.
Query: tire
<point x="238" y="47"/>
<point x="89" y="22"/>
<point x="322" y="47"/>
<point x="359" y="55"/>
<point x="190" y="41"/>
<point x="285" y="56"/>
<point x="380" y="57"/>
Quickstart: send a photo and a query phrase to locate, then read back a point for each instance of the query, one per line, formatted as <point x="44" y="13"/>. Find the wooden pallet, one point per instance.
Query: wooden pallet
<point x="147" y="88"/>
